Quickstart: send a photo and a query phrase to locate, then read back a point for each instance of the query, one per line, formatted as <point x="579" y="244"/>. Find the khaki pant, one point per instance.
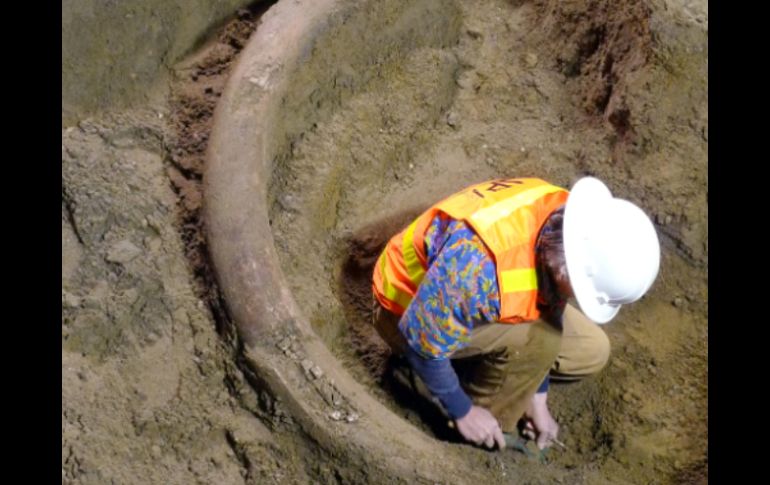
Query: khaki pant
<point x="504" y="364"/>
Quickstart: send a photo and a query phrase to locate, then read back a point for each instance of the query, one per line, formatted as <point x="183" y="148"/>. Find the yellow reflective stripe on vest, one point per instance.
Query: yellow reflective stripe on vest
<point x="413" y="267"/>
<point x="391" y="292"/>
<point x="483" y="218"/>
<point x="513" y="280"/>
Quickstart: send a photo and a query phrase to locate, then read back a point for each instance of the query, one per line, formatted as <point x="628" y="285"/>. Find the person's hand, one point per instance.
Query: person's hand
<point x="481" y="428"/>
<point x="540" y="422"/>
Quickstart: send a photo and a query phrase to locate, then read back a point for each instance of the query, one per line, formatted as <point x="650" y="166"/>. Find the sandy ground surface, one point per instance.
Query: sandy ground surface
<point x="152" y="387"/>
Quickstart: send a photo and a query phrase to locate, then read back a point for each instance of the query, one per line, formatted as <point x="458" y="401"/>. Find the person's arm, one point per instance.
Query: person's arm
<point x="441" y="380"/>
<point x="474" y="423"/>
<point x="541" y="421"/>
<point x="436" y="324"/>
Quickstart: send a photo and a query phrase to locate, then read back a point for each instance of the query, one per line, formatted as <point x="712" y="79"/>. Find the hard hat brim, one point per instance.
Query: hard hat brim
<point x="584" y="203"/>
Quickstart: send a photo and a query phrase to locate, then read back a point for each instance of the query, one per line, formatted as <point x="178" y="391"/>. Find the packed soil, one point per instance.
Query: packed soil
<point x="153" y="390"/>
<point x="556" y="90"/>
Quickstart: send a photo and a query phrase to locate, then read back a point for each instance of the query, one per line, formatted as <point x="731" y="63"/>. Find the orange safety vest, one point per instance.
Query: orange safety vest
<point x="507" y="214"/>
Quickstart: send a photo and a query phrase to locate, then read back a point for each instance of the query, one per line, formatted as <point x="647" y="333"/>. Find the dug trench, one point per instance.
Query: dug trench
<point x="558" y="90"/>
<point x="511" y="97"/>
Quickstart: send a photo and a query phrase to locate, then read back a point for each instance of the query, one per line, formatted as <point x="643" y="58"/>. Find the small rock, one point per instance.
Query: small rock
<point x="289" y="202"/>
<point x="627" y="397"/>
<point x="452" y="119"/>
<point x="531" y="59"/>
<point x="123" y="252"/>
<point x="668" y="219"/>
<point x="70" y="300"/>
<point x="154" y="224"/>
<point x="306" y="364"/>
<point x="352" y="418"/>
<point x="284" y="344"/>
<point x="317" y="372"/>
<point x="678" y="302"/>
<point x="475" y="34"/>
<point x="336" y="415"/>
<point x="156" y="451"/>
<point x="465" y="81"/>
<point x="152" y="243"/>
<point x="130" y="296"/>
<point x="263" y="81"/>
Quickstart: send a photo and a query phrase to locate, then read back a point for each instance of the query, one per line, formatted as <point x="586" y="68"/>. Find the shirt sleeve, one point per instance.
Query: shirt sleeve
<point x="441" y="380"/>
<point x="458" y="290"/>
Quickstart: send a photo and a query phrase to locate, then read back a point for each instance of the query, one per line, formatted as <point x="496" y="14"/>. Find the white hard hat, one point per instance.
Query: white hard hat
<point x="611" y="249"/>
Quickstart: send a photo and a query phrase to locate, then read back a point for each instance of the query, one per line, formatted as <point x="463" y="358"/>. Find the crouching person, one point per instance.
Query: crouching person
<point x="481" y="280"/>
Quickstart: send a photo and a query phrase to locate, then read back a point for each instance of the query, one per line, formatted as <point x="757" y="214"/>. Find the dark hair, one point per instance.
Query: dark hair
<point x="551" y="242"/>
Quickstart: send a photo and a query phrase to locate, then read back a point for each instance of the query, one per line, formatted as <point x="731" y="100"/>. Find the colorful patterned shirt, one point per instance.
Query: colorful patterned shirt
<point x="458" y="292"/>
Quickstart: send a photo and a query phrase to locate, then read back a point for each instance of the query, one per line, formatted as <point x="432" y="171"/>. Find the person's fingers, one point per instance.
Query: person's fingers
<point x="478" y="437"/>
<point x="499" y="438"/>
<point x="529" y="424"/>
<point x="529" y="434"/>
<point x="489" y="442"/>
<point x="544" y="440"/>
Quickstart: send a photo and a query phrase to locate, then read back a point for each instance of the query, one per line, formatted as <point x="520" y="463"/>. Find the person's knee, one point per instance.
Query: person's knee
<point x="506" y="345"/>
<point x="585" y="349"/>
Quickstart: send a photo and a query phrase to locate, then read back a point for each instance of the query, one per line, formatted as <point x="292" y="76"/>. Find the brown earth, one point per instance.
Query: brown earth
<point x="557" y="89"/>
<point x="153" y="389"/>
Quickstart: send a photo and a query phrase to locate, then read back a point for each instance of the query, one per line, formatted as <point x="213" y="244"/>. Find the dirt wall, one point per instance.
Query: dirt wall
<point x="118" y="54"/>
